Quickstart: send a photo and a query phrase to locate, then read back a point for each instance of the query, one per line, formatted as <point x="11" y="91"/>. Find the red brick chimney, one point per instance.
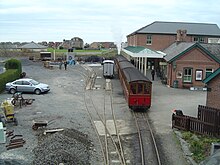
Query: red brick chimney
<point x="181" y="35"/>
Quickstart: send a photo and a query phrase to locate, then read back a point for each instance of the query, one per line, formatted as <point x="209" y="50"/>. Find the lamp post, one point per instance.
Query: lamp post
<point x="54" y="53"/>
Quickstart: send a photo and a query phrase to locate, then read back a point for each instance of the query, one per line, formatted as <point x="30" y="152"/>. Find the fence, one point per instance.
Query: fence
<point x="206" y="123"/>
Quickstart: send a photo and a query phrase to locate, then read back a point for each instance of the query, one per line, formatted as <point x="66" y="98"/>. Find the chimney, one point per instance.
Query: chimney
<point x="181" y="35"/>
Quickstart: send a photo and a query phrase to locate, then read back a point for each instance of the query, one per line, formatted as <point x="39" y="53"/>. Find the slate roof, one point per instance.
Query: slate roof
<point x="33" y="45"/>
<point x="213" y="48"/>
<point x="177" y="49"/>
<point x="159" y="27"/>
<point x="213" y="75"/>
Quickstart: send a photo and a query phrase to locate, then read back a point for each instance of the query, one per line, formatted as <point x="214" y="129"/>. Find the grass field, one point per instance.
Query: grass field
<point x="65" y="50"/>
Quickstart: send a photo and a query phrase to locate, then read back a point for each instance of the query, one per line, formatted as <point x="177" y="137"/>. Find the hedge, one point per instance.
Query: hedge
<point x="13" y="64"/>
<point x="13" y="72"/>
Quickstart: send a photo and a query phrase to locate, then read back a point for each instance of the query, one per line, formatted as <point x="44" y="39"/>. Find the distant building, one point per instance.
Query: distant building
<point x="102" y="45"/>
<point x="159" y="35"/>
<point x="76" y="43"/>
<point x="54" y="45"/>
<point x="33" y="47"/>
<point x="44" y="43"/>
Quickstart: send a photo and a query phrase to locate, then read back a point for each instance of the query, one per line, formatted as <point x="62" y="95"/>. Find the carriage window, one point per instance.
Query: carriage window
<point x="133" y="88"/>
<point x="140" y="88"/>
<point x="146" y="89"/>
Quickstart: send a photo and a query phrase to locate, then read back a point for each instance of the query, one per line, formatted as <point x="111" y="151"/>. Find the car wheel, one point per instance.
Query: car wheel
<point x="12" y="91"/>
<point x="37" y="91"/>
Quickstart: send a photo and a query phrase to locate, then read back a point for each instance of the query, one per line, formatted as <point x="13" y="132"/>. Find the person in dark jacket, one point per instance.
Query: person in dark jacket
<point x="65" y="64"/>
<point x="153" y="74"/>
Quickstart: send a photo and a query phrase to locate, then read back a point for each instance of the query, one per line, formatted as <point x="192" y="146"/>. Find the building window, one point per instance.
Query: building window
<point x="208" y="72"/>
<point x="199" y="39"/>
<point x="149" y="39"/>
<point x="187" y="77"/>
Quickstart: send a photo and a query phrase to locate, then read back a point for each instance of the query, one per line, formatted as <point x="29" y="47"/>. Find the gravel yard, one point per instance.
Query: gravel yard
<point x="64" y="107"/>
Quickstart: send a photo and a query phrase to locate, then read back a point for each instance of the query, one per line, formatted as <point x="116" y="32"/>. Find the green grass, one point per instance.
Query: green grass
<point x="199" y="145"/>
<point x="65" y="50"/>
<point x="90" y="50"/>
<point x="56" y="50"/>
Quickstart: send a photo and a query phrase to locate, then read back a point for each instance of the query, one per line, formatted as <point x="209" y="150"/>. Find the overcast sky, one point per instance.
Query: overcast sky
<point x="95" y="20"/>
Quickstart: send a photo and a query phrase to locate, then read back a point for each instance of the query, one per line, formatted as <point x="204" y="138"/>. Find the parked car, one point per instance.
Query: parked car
<point x="26" y="85"/>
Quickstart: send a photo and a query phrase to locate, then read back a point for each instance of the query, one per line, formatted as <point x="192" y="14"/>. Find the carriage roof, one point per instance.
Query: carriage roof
<point x="126" y="64"/>
<point x="120" y="58"/>
<point x="108" y="61"/>
<point x="132" y="75"/>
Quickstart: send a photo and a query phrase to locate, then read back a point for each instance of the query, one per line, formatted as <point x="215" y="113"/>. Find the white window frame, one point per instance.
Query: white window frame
<point x="187" y="78"/>
<point x="149" y="40"/>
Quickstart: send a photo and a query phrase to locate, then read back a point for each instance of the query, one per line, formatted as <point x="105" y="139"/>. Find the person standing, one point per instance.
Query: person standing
<point x="65" y="64"/>
<point x="60" y="65"/>
<point x="153" y="74"/>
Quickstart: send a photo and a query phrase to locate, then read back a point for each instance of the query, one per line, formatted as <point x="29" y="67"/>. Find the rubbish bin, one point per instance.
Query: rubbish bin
<point x="175" y="84"/>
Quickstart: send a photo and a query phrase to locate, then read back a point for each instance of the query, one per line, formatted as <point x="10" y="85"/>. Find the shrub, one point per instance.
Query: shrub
<point x="13" y="72"/>
<point x="9" y="75"/>
<point x="13" y="64"/>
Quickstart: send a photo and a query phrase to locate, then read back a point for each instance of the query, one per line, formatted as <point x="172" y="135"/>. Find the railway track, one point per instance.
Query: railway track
<point x="148" y="148"/>
<point x="110" y="146"/>
<point x="103" y="114"/>
<point x="110" y="141"/>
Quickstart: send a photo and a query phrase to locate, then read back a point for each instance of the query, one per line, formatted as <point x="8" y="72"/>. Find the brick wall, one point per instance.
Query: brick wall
<point x="159" y="41"/>
<point x="195" y="59"/>
<point x="213" y="96"/>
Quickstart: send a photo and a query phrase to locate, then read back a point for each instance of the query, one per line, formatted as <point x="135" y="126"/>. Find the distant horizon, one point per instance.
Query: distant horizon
<point x="52" y="41"/>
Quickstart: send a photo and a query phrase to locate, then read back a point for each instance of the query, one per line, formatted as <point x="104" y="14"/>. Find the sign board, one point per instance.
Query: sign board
<point x="70" y="58"/>
<point x="214" y="40"/>
<point x="163" y="63"/>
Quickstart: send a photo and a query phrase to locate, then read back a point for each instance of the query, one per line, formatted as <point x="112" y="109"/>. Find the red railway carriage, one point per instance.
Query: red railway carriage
<point x="137" y="87"/>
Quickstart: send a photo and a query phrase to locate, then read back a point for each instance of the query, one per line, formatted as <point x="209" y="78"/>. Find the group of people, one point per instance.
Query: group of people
<point x="61" y="63"/>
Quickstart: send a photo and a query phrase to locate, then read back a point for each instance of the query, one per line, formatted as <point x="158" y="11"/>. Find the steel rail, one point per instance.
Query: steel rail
<point x="140" y="138"/>
<point x="116" y="129"/>
<point x="153" y="138"/>
<point x="101" y="119"/>
<point x="90" y="115"/>
<point x="106" y="139"/>
<point x="92" y="121"/>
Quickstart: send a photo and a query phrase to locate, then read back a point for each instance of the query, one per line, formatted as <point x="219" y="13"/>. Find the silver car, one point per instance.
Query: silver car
<point x="26" y="85"/>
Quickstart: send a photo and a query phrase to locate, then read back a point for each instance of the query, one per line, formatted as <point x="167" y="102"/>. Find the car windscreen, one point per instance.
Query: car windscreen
<point x="34" y="82"/>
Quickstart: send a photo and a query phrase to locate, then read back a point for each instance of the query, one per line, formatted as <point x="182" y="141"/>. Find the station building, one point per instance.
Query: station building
<point x="182" y="53"/>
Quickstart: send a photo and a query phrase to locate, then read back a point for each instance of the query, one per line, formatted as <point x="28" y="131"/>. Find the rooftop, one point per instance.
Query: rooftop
<point x="171" y="28"/>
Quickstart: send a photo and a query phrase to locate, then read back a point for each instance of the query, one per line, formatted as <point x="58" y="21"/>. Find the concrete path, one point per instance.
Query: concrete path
<point x="164" y="100"/>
